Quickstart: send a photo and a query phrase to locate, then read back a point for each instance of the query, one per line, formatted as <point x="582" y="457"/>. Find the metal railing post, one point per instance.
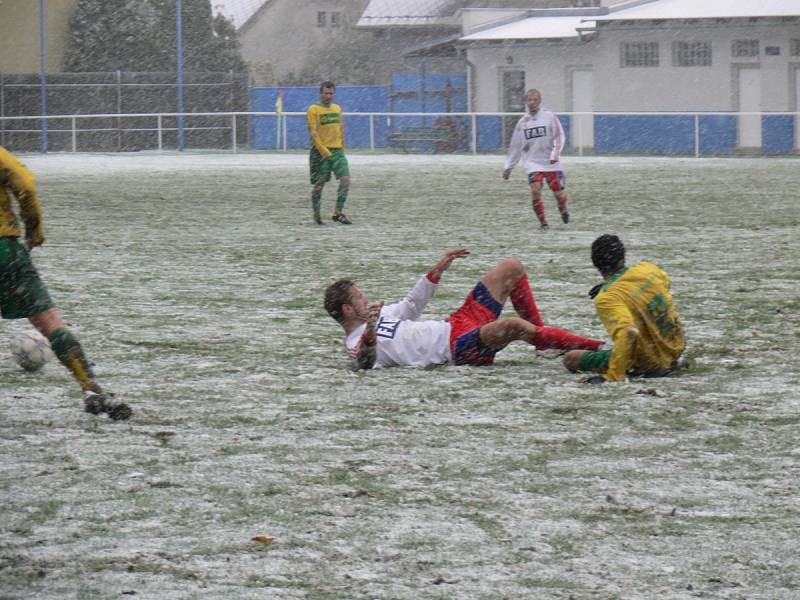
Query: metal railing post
<point x="160" y="134"/>
<point x="233" y="131"/>
<point x="474" y="142"/>
<point x="74" y="135"/>
<point x="697" y="136"/>
<point x="371" y="132"/>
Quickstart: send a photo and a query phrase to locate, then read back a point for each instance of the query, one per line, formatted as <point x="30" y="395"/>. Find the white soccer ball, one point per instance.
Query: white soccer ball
<point x="31" y="350"/>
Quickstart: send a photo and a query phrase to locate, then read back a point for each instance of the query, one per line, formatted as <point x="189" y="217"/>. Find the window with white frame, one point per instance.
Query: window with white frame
<point x="638" y="54"/>
<point x="744" y="48"/>
<point x="691" y="54"/>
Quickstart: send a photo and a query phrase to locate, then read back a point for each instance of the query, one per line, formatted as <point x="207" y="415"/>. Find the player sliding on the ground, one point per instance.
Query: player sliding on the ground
<point x="385" y="336"/>
<point x="636" y="308"/>
<point x="22" y="292"/>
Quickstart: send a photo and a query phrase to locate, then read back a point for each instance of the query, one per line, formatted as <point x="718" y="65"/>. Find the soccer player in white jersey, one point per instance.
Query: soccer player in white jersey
<point x="538" y="140"/>
<point x="379" y="336"/>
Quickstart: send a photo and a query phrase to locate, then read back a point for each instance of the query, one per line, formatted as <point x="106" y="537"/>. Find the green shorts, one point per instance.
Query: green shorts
<point x="321" y="168"/>
<point x="22" y="293"/>
<point x="595" y="360"/>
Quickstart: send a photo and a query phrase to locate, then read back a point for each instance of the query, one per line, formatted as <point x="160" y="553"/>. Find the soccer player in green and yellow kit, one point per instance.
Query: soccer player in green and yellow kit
<point x="326" y="129"/>
<point x="24" y="295"/>
<point x="635" y="306"/>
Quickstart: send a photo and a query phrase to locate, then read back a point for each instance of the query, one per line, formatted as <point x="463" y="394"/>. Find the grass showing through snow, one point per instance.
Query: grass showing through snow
<point x="195" y="283"/>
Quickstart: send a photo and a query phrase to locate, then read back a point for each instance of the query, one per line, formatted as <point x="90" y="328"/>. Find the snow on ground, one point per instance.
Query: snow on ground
<point x="194" y="282"/>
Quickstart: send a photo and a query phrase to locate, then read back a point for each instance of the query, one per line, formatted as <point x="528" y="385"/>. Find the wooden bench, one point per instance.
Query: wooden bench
<point x="440" y="138"/>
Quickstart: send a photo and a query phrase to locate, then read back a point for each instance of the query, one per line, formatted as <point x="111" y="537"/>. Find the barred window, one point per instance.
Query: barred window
<point x="794" y="47"/>
<point x="638" y="54"/>
<point x="691" y="54"/>
<point x="743" y="48"/>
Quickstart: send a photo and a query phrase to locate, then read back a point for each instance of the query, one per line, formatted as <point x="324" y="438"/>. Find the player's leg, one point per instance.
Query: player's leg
<point x="509" y="279"/>
<point x="319" y="172"/>
<point x="498" y="334"/>
<point x="558" y="185"/>
<point x="69" y="352"/>
<point x="24" y="295"/>
<point x="535" y="181"/>
<point x="342" y="171"/>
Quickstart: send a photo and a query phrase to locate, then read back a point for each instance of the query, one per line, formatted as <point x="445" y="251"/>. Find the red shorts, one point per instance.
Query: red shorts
<point x="479" y="308"/>
<point x="555" y="179"/>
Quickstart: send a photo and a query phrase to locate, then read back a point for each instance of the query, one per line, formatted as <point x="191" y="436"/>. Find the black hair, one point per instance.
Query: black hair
<point x="327" y="84"/>
<point x="608" y="254"/>
<point x="338" y="293"/>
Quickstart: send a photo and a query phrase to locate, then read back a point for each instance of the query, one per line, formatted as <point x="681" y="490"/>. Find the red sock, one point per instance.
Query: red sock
<point x="538" y="208"/>
<point x="553" y="337"/>
<point x="524" y="302"/>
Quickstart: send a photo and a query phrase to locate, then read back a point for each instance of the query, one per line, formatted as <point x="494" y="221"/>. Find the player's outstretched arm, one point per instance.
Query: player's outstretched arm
<point x="445" y="262"/>
<point x="368" y="347"/>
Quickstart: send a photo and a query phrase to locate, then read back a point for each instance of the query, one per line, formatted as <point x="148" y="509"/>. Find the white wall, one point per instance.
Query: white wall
<point x="662" y="88"/>
<point x="713" y="88"/>
<point x="547" y="67"/>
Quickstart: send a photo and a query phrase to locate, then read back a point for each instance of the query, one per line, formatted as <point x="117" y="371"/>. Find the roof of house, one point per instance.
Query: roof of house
<point x="706" y="9"/>
<point x="383" y="13"/>
<point x="539" y="24"/>
<point x="237" y="11"/>
<point x="541" y="27"/>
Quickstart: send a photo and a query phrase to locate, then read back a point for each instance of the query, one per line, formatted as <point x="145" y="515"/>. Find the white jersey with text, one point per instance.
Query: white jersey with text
<point x="538" y="138"/>
<point x="403" y="341"/>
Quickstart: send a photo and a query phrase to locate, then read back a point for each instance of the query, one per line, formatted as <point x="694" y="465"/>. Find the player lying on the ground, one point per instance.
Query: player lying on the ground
<point x="635" y="305"/>
<point x="385" y="336"/>
<point x="22" y="292"/>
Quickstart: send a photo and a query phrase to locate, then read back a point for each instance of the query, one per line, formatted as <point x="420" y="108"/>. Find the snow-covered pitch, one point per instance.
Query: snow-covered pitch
<point x="195" y="282"/>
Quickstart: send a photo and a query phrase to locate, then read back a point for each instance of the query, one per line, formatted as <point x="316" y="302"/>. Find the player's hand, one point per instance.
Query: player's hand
<point x="506" y="173"/>
<point x="553" y="161"/>
<point x="370" y="316"/>
<point x="594" y="379"/>
<point x="447" y="260"/>
<point x="373" y="312"/>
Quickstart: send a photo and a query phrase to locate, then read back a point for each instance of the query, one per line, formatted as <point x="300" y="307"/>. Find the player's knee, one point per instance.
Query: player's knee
<point x="572" y="360"/>
<point x="513" y="268"/>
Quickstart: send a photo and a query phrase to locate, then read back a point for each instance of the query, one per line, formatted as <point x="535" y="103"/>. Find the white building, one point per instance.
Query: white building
<point x="644" y="55"/>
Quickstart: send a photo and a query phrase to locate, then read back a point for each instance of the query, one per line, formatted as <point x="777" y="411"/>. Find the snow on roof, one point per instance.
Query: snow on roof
<point x="409" y="12"/>
<point x="532" y="28"/>
<point x="237" y="11"/>
<point x="706" y="9"/>
<point x="547" y="27"/>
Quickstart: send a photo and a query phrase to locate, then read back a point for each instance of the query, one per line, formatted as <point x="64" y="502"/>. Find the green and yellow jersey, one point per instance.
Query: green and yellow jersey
<point x="635" y="306"/>
<point x="326" y="127"/>
<point x="17" y="181"/>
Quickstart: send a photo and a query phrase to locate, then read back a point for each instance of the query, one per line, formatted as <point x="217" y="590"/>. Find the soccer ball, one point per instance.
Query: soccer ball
<point x="30" y="350"/>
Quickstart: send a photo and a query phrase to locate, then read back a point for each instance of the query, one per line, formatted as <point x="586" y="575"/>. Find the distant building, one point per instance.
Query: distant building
<point x="645" y="55"/>
<point x="19" y="35"/>
<point x="287" y="42"/>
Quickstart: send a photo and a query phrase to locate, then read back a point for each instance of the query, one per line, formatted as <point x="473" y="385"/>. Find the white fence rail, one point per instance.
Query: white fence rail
<point x="582" y="126"/>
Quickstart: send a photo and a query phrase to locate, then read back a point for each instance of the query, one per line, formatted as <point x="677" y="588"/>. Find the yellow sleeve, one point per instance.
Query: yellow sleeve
<point x="312" y="120"/>
<point x="23" y="184"/>
<point x="620" y="325"/>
